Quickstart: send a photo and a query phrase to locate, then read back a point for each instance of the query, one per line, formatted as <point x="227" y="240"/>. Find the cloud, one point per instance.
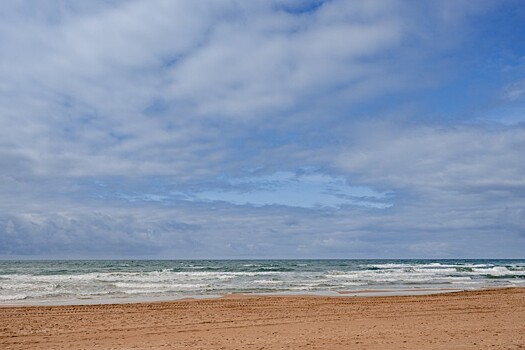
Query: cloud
<point x="166" y="87"/>
<point x="270" y="61"/>
<point x="456" y="159"/>
<point x="410" y="229"/>
<point x="73" y="234"/>
<point x="458" y="193"/>
<point x="515" y="91"/>
<point x="131" y="127"/>
<point x="465" y="179"/>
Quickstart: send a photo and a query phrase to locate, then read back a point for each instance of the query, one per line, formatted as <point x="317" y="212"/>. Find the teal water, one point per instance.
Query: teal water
<point x="58" y="281"/>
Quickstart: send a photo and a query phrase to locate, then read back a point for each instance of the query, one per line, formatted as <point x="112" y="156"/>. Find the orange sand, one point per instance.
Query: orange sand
<point x="492" y="319"/>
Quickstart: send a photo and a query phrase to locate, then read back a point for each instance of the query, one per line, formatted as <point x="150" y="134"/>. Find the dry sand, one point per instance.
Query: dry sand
<point x="492" y="319"/>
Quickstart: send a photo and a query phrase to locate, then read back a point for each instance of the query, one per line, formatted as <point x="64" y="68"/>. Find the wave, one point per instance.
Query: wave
<point x="92" y="279"/>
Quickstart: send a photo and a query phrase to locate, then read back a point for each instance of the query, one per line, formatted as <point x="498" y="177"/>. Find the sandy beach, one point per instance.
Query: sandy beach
<point x="490" y="319"/>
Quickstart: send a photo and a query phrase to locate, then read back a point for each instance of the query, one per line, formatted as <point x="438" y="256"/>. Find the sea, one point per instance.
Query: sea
<point x="108" y="281"/>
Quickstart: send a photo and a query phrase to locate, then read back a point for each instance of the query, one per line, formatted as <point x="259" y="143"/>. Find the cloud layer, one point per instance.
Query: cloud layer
<point x="261" y="129"/>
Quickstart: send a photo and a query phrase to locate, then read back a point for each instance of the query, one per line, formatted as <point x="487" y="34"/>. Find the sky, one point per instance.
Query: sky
<point x="226" y="129"/>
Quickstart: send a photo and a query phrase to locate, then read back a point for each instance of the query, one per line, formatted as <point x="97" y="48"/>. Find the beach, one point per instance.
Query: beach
<point x="484" y="319"/>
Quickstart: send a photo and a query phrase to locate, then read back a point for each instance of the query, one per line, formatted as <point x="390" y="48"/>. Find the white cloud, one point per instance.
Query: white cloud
<point x="514" y="91"/>
<point x="266" y="61"/>
<point x="458" y="159"/>
<point x="79" y="79"/>
<point x="176" y="93"/>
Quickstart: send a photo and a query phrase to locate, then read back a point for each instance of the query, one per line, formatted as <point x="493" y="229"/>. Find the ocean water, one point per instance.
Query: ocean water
<point x="28" y="282"/>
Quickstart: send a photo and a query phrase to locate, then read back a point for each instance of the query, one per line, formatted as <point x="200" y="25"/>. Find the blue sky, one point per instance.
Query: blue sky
<point x="262" y="129"/>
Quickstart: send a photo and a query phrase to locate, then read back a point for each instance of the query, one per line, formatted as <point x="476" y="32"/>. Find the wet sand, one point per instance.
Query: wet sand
<point x="492" y="319"/>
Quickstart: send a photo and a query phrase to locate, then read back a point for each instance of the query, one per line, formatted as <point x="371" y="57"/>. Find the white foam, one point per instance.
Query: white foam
<point x="13" y="297"/>
<point x="200" y="280"/>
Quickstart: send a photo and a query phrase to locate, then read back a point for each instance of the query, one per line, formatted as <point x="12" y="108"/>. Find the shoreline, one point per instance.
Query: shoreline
<point x="134" y="281"/>
<point x="491" y="318"/>
<point x="175" y="298"/>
